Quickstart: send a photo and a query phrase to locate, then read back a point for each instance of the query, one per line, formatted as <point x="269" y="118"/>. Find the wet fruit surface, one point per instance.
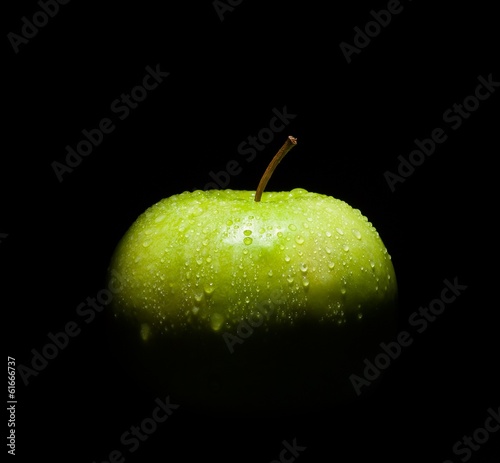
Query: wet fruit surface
<point x="240" y="289"/>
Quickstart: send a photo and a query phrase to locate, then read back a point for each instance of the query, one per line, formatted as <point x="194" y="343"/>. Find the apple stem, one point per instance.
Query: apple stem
<point x="287" y="146"/>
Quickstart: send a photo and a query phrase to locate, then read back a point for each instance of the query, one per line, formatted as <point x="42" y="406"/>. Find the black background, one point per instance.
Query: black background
<point x="352" y="121"/>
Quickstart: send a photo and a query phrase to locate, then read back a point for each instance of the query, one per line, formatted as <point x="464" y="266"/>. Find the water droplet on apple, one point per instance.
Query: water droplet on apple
<point x="305" y="283"/>
<point x="343" y="290"/>
<point x="270" y="273"/>
<point x="357" y="234"/>
<point x="208" y="259"/>
<point x="360" y="316"/>
<point x="195" y="309"/>
<point x="247" y="232"/>
<point x="328" y="250"/>
<point x="216" y="321"/>
<point x="145" y="331"/>
<point x="280" y="234"/>
<point x="248" y="240"/>
<point x="345" y="247"/>
<point x="199" y="261"/>
<point x="287" y="258"/>
<point x="340" y="231"/>
<point x="290" y="280"/>
<point x="372" y="264"/>
<point x="292" y="227"/>
<point x="303" y="268"/>
<point x="331" y="265"/>
<point x="209" y="289"/>
<point x="299" y="239"/>
<point x="328" y="234"/>
<point x="146" y="243"/>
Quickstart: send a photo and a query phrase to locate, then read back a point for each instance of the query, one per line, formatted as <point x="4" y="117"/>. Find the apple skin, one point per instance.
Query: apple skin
<point x="302" y="279"/>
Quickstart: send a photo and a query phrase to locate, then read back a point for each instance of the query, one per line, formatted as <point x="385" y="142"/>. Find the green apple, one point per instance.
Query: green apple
<point x="252" y="299"/>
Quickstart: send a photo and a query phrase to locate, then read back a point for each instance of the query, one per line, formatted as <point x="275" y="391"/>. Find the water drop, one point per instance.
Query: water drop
<point x="340" y="231"/>
<point x="331" y="265"/>
<point x="357" y="234"/>
<point x="303" y="268"/>
<point x="216" y="321"/>
<point x="146" y="243"/>
<point x="195" y="310"/>
<point x="280" y="234"/>
<point x="328" y="234"/>
<point x="299" y="239"/>
<point x="305" y="283"/>
<point x="145" y="331"/>
<point x="209" y="289"/>
<point x="208" y="259"/>
<point x="247" y="232"/>
<point x="248" y="240"/>
<point x="270" y="273"/>
<point x="290" y="280"/>
<point x="292" y="227"/>
<point x="287" y="258"/>
<point x="328" y="250"/>
<point x="372" y="264"/>
<point x="229" y="223"/>
<point x="345" y="247"/>
<point x="343" y="290"/>
<point x="199" y="261"/>
<point x="360" y="316"/>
